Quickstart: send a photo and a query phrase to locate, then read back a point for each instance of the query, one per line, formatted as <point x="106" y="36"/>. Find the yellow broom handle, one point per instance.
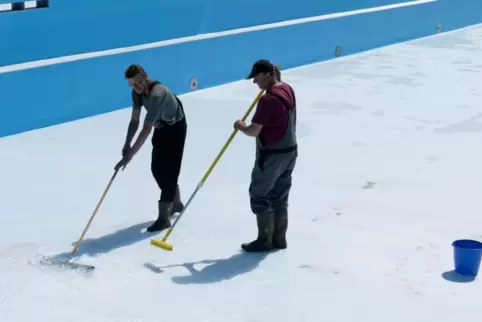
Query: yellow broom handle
<point x="231" y="138"/>
<point x="93" y="214"/>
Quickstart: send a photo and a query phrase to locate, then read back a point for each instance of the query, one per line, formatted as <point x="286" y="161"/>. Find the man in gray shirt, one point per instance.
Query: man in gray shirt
<point x="165" y="114"/>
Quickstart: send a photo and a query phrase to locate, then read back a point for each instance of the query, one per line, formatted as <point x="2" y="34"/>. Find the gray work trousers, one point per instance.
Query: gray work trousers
<point x="271" y="181"/>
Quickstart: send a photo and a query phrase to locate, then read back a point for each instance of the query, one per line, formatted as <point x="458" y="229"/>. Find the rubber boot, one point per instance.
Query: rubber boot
<point x="265" y="232"/>
<point x="280" y="228"/>
<point x="163" y="220"/>
<point x="177" y="206"/>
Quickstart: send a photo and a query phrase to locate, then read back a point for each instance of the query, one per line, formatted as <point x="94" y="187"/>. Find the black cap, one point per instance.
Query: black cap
<point x="261" y="66"/>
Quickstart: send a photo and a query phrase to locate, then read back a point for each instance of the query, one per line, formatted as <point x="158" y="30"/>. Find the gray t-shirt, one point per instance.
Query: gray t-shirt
<point x="161" y="105"/>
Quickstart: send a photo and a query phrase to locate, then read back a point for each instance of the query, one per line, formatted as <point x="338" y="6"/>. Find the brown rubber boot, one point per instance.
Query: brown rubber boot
<point x="177" y="206"/>
<point x="280" y="228"/>
<point x="265" y="232"/>
<point x="163" y="220"/>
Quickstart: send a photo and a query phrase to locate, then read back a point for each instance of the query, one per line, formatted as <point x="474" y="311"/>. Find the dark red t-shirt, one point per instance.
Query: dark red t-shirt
<point x="273" y="115"/>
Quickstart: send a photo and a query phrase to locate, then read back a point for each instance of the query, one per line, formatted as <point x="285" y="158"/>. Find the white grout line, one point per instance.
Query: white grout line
<point x="122" y="50"/>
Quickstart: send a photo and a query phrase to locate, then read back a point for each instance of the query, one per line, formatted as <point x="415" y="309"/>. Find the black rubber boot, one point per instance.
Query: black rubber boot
<point x="163" y="220"/>
<point x="265" y="232"/>
<point x="280" y="228"/>
<point x="177" y="206"/>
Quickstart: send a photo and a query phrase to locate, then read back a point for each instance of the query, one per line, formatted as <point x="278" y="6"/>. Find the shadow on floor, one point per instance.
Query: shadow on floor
<point x="453" y="276"/>
<point x="217" y="270"/>
<point x="107" y="243"/>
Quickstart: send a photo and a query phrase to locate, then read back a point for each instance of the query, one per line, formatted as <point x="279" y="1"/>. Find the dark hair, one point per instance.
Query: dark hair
<point x="133" y="70"/>
<point x="277" y="73"/>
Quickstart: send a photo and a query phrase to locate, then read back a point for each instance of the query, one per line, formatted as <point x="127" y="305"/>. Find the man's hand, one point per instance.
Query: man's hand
<point x="126" y="149"/>
<point x="252" y="130"/>
<point x="127" y="155"/>
<point x="239" y="125"/>
<point x="129" y="152"/>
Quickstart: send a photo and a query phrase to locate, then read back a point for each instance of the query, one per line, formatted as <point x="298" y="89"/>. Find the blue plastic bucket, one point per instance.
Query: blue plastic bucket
<point x="467" y="256"/>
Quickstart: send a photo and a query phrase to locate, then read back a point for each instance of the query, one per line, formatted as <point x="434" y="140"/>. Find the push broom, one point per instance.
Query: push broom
<point x="68" y="263"/>
<point x="162" y="243"/>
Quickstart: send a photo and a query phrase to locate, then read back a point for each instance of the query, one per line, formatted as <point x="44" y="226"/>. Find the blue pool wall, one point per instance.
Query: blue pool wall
<point x="37" y="97"/>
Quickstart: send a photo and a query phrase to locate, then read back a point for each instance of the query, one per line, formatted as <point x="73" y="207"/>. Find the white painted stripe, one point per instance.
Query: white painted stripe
<point x="163" y="43"/>
<point x="5" y="7"/>
<point x="30" y="4"/>
<point x="27" y="5"/>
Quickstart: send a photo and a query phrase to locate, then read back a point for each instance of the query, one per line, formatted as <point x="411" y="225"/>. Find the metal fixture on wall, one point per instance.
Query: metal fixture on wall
<point x="193" y="84"/>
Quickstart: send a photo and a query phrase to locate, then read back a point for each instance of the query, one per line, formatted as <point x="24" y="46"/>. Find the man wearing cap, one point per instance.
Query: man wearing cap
<point x="274" y="127"/>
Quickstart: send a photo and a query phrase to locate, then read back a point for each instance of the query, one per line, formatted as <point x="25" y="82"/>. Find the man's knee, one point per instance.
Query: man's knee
<point x="157" y="170"/>
<point x="259" y="195"/>
<point x="281" y="192"/>
<point x="260" y="206"/>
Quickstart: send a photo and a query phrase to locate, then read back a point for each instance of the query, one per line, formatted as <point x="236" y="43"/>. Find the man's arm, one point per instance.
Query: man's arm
<point x="151" y="116"/>
<point x="133" y="125"/>
<point x="143" y="135"/>
<point x="251" y="130"/>
<point x="261" y="117"/>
